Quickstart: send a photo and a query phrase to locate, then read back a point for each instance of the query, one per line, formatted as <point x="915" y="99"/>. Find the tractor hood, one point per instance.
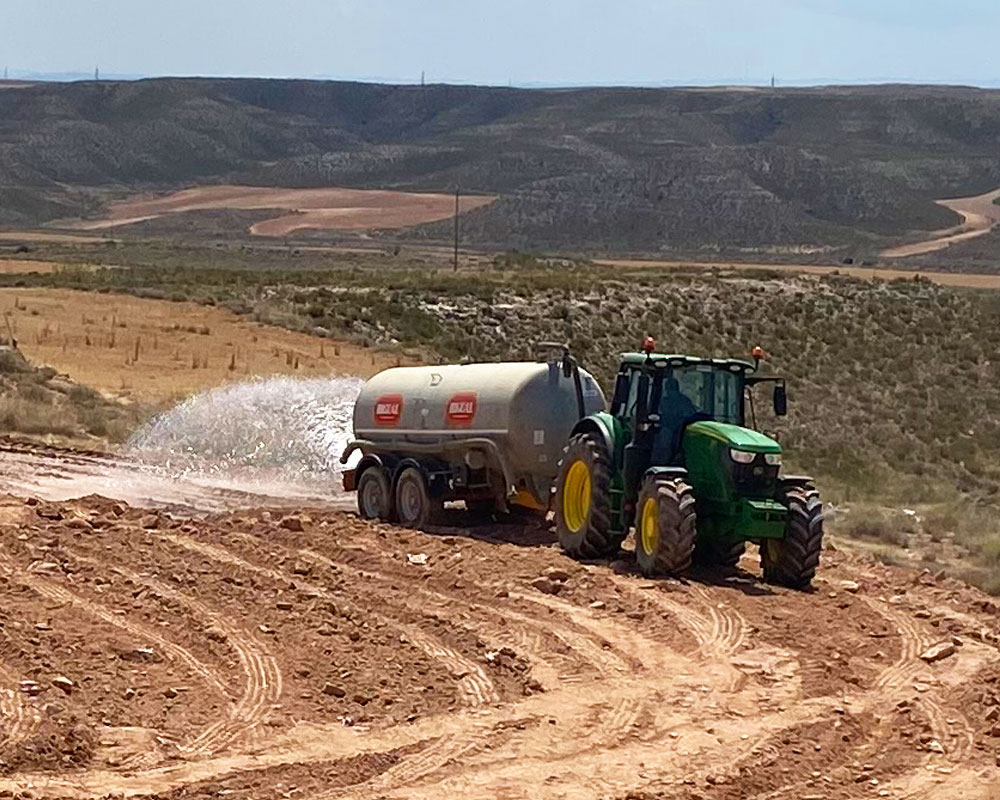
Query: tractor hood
<point x="734" y="436"/>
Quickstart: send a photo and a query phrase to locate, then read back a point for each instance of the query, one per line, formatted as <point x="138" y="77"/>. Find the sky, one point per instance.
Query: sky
<point x="517" y="42"/>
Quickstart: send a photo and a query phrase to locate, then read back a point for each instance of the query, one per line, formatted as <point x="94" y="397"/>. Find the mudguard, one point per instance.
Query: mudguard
<point x="608" y="428"/>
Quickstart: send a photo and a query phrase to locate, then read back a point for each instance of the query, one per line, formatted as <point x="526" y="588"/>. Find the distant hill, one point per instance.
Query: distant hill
<point x="636" y="170"/>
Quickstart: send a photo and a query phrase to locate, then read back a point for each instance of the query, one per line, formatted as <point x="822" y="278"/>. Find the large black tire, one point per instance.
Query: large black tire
<point x="583" y="499"/>
<point x="792" y="561"/>
<point x="415" y="508"/>
<point x="719" y="552"/>
<point x="375" y="497"/>
<point x="665" y="526"/>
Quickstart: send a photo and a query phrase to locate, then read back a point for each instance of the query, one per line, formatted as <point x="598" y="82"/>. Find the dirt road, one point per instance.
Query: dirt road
<point x="267" y="654"/>
<point x="979" y="214"/>
<point x="966" y="279"/>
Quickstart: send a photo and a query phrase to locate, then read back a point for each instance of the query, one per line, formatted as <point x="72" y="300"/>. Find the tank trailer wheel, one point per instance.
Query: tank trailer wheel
<point x="415" y="508"/>
<point x="375" y="500"/>
<point x="583" y="499"/>
<point x="719" y="552"/>
<point x="792" y="561"/>
<point x="665" y="526"/>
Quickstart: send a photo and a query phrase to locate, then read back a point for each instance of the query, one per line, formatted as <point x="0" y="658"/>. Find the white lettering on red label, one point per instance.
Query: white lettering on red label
<point x="388" y="409"/>
<point x="461" y="409"/>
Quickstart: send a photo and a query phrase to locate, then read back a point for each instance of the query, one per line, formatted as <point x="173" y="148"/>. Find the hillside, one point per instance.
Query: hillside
<point x="894" y="386"/>
<point x="627" y="170"/>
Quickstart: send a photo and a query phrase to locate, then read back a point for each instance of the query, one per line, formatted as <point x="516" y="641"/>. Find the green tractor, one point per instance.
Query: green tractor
<point x="675" y="458"/>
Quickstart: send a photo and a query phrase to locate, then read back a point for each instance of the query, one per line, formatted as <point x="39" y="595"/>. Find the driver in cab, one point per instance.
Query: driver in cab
<point x="676" y="408"/>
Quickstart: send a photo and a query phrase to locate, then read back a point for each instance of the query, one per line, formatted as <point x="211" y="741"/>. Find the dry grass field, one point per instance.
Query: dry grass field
<point x="155" y="351"/>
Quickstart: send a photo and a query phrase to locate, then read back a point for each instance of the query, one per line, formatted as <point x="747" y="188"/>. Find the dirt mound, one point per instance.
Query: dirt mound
<point x="264" y="652"/>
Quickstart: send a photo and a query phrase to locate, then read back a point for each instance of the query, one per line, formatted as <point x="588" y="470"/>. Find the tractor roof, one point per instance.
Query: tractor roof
<point x="675" y="360"/>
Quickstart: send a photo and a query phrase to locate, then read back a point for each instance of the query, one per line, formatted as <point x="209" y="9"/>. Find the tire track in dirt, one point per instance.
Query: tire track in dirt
<point x="608" y="720"/>
<point x="18" y="719"/>
<point x="530" y="630"/>
<point x="263" y="677"/>
<point x="719" y="629"/>
<point x="899" y="681"/>
<point x="474" y="684"/>
<point x="592" y="651"/>
<point x="893" y="684"/>
<point x="52" y="591"/>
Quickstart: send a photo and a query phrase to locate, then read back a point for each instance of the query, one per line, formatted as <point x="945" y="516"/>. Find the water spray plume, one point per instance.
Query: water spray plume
<point x="271" y="431"/>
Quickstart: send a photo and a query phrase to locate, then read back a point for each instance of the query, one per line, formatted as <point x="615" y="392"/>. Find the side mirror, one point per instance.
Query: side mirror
<point x="621" y="394"/>
<point x="780" y="400"/>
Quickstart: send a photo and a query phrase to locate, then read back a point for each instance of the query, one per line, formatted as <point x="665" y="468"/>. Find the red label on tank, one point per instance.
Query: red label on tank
<point x="388" y="409"/>
<point x="461" y="408"/>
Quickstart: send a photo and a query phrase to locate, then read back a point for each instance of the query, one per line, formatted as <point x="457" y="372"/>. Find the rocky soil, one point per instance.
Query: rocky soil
<point x="276" y="654"/>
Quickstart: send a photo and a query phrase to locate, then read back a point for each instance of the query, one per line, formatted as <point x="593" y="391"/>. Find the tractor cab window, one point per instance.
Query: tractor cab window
<point x="712" y="391"/>
<point x="695" y="391"/>
<point x="633" y="396"/>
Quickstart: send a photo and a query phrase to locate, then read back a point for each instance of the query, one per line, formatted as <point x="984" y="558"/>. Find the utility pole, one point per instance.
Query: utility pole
<point x="97" y="73"/>
<point x="422" y="73"/>
<point x="457" y="190"/>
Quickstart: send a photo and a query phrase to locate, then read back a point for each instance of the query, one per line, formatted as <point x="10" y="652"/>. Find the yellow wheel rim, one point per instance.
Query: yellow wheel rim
<point x="649" y="526"/>
<point x="576" y="496"/>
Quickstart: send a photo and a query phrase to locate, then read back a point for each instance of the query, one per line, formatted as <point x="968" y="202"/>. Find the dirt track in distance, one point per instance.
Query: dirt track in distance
<point x="251" y="651"/>
<point x="310" y="209"/>
<point x="980" y="215"/>
<point x="966" y="279"/>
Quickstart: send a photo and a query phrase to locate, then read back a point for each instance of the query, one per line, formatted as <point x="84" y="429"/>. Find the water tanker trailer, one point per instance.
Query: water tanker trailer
<point x="490" y="435"/>
<point x="676" y="457"/>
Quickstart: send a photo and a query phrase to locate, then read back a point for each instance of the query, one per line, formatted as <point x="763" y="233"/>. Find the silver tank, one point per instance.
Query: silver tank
<point x="527" y="409"/>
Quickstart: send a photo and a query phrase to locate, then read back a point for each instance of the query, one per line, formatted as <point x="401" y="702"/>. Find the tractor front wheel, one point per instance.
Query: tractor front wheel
<point x="665" y="526"/>
<point x="792" y="560"/>
<point x="583" y="499"/>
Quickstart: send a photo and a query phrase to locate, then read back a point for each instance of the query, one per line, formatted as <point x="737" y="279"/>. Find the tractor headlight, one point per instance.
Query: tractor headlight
<point x="774" y="459"/>
<point x="742" y="456"/>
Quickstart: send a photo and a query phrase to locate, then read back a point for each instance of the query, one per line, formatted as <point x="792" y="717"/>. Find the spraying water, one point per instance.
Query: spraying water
<point x="272" y="441"/>
<point x="280" y="437"/>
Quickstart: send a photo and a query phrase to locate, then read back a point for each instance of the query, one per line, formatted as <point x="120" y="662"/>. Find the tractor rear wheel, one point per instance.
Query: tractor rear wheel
<point x="415" y="507"/>
<point x="792" y="561"/>
<point x="583" y="499"/>
<point x="719" y="552"/>
<point x="375" y="500"/>
<point x="665" y="526"/>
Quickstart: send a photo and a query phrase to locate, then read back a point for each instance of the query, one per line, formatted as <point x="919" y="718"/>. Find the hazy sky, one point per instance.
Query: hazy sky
<point x="518" y="41"/>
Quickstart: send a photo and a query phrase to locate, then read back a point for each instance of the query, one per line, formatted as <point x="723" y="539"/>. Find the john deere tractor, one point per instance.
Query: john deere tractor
<point x="675" y="458"/>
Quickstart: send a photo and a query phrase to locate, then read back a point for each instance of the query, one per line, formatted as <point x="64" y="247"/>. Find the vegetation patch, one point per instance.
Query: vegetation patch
<point x="38" y="402"/>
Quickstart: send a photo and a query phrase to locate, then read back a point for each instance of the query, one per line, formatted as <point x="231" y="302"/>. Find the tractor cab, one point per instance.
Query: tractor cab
<point x="657" y="396"/>
<point x="679" y="457"/>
